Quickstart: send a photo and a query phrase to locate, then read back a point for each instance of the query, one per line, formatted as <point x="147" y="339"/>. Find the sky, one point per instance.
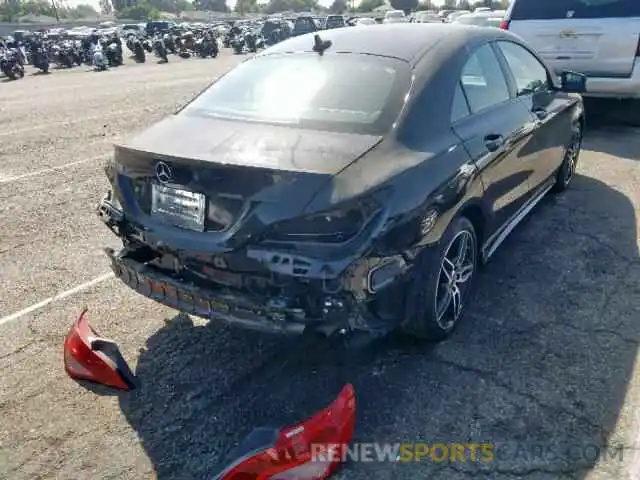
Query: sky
<point x="96" y="4"/>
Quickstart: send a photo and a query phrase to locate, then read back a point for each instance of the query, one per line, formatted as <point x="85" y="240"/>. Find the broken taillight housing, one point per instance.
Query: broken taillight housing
<point x="306" y="451"/>
<point x="87" y="356"/>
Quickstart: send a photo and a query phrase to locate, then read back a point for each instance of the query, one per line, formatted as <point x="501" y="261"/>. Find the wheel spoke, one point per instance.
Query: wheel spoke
<point x="456" y="301"/>
<point x="443" y="304"/>
<point x="463" y="274"/>
<point x="462" y="250"/>
<point x="448" y="268"/>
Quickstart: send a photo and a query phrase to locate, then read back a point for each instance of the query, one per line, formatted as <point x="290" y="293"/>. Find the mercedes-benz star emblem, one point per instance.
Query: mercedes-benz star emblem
<point x="164" y="172"/>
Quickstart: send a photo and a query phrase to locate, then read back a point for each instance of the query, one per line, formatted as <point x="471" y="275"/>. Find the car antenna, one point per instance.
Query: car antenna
<point x="320" y="45"/>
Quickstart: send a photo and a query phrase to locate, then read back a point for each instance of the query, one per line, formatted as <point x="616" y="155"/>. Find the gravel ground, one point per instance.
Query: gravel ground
<point x="546" y="355"/>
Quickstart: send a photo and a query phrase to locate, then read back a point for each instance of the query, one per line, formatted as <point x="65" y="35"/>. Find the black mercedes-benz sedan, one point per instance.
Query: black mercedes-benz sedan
<point x="352" y="181"/>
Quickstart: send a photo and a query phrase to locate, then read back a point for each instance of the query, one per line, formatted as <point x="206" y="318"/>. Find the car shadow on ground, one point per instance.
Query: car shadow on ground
<point x="606" y="120"/>
<point x="542" y="360"/>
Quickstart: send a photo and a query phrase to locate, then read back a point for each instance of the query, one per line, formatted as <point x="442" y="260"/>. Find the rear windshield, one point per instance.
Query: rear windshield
<point x="556" y="9"/>
<point x="338" y="92"/>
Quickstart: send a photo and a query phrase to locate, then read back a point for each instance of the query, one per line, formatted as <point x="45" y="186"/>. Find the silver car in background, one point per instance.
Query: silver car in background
<point x="481" y="19"/>
<point x="395" y="16"/>
<point x="427" y="17"/>
<point x="599" y="38"/>
<point x="458" y="13"/>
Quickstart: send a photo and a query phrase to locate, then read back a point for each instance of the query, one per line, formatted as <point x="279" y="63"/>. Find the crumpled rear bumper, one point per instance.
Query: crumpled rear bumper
<point x="226" y="306"/>
<point x="295" y="292"/>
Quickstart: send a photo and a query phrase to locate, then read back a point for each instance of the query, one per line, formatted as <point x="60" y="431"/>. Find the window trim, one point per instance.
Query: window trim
<point x="508" y="72"/>
<point x="488" y="43"/>
<point x="466" y="102"/>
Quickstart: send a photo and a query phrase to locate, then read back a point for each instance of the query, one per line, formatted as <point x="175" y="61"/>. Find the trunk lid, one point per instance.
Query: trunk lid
<point x="219" y="143"/>
<point x="246" y="175"/>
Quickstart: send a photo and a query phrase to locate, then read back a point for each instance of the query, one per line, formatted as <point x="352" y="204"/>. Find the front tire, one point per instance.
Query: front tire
<point x="569" y="164"/>
<point x="440" y="283"/>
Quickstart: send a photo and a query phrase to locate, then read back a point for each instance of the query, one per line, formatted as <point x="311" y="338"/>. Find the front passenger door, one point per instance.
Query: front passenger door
<point x="495" y="133"/>
<point x="533" y="86"/>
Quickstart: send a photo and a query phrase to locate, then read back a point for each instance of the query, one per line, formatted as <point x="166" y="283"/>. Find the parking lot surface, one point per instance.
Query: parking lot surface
<point x="543" y="367"/>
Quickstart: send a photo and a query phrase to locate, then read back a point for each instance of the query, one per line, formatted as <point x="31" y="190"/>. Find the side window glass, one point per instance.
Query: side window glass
<point x="530" y="75"/>
<point x="459" y="108"/>
<point x="483" y="81"/>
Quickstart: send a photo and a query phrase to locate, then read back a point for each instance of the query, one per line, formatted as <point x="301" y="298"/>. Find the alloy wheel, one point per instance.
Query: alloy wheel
<point x="571" y="155"/>
<point x="456" y="270"/>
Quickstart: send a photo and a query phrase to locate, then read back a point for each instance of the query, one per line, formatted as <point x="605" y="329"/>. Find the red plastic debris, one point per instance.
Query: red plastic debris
<point x="306" y="451"/>
<point x="87" y="356"/>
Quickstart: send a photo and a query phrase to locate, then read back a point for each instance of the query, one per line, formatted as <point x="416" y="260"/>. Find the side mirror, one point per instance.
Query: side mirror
<point x="573" y="82"/>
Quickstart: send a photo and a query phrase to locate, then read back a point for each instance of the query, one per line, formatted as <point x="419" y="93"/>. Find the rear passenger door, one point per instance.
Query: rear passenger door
<point x="495" y="128"/>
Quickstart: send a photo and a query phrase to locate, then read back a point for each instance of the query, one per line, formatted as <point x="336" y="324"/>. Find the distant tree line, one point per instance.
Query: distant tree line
<point x="151" y="9"/>
<point x="11" y="10"/>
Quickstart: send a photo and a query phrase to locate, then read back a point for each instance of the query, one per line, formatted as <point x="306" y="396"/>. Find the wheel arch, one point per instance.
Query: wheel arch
<point x="474" y="213"/>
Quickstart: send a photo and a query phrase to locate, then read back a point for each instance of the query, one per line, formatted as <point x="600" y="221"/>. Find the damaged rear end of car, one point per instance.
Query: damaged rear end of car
<point x="247" y="259"/>
<point x="235" y="217"/>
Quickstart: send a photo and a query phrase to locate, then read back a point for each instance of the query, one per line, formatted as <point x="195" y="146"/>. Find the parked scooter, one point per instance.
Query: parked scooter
<point x="10" y="65"/>
<point x="251" y="42"/>
<point x="160" y="48"/>
<point x="238" y="43"/>
<point x="99" y="59"/>
<point x="40" y="57"/>
<point x="138" y="51"/>
<point x="207" y="46"/>
<point x="113" y="53"/>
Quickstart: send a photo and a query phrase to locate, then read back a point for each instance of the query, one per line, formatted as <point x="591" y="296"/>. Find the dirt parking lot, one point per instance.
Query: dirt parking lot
<point x="543" y="366"/>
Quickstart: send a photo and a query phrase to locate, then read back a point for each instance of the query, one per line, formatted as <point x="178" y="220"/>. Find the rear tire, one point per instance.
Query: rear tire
<point x="569" y="164"/>
<point x="441" y="282"/>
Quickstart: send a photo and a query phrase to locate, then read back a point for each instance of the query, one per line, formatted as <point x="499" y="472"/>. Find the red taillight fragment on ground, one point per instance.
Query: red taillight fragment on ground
<point x="306" y="451"/>
<point x="87" y="356"/>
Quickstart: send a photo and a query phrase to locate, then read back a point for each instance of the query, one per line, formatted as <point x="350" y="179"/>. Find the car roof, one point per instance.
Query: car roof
<point x="405" y="41"/>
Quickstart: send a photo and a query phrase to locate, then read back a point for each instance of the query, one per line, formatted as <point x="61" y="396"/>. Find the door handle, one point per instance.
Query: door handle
<point x="493" y="142"/>
<point x="540" y="112"/>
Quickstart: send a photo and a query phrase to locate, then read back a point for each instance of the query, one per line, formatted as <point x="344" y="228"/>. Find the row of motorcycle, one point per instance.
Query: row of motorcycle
<point x="106" y="51"/>
<point x="42" y="53"/>
<point x="200" y="43"/>
<point x="101" y="51"/>
<point x="244" y="39"/>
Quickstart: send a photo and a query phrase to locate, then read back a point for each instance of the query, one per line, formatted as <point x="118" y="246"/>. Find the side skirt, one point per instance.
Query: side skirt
<point x="492" y="243"/>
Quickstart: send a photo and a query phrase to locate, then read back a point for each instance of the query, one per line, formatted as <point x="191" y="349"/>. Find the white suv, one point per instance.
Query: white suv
<point x="599" y="38"/>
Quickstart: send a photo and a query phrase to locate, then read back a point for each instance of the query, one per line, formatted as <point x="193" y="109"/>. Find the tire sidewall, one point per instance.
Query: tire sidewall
<point x="561" y="182"/>
<point x="420" y="303"/>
